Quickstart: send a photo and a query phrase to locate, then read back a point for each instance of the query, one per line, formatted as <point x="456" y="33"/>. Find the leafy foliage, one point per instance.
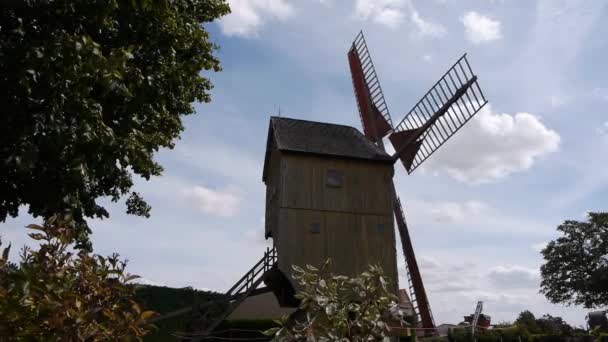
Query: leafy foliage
<point x="509" y="334"/>
<point x="56" y="294"/>
<point x="555" y="326"/>
<point x="546" y="325"/>
<point x="339" y="308"/>
<point x="576" y="264"/>
<point x="526" y="328"/>
<point x="526" y="320"/>
<point x="513" y="334"/>
<point x="90" y="90"/>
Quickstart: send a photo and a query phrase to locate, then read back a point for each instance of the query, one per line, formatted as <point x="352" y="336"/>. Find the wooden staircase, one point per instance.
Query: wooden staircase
<point x="205" y="317"/>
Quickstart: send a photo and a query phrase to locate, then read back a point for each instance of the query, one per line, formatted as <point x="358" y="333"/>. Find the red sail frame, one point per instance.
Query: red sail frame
<point x="373" y="111"/>
<point x="372" y="105"/>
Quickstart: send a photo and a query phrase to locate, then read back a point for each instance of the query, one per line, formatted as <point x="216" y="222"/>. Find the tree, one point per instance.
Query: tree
<point x="556" y="326"/>
<point x="90" y="90"/>
<point x="576" y="264"/>
<point x="55" y="294"/>
<point x="339" y="308"/>
<point x="527" y="321"/>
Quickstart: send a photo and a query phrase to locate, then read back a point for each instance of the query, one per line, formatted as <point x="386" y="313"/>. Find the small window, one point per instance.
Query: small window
<point x="335" y="178"/>
<point x="315" y="228"/>
<point x="380" y="228"/>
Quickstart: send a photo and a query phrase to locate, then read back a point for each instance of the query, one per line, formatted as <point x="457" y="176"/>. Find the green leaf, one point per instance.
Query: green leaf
<point x="271" y="331"/>
<point x="35" y="226"/>
<point x="36" y="236"/>
<point x="131" y="277"/>
<point x="148" y="314"/>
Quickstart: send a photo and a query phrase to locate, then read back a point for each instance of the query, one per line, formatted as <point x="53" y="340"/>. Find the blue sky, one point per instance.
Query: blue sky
<point x="479" y="209"/>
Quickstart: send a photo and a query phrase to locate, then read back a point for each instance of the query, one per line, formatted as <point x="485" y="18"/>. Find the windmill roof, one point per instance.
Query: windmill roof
<point x="320" y="138"/>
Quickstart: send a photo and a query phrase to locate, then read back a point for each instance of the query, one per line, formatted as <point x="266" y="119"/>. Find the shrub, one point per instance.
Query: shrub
<point x="56" y="294"/>
<point x="340" y="308"/>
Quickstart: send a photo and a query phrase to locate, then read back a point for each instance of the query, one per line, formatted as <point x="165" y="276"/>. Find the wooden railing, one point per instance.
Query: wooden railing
<point x="212" y="313"/>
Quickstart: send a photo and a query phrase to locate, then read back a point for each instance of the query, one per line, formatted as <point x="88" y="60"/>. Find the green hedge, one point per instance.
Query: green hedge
<point x="511" y="335"/>
<point x="166" y="299"/>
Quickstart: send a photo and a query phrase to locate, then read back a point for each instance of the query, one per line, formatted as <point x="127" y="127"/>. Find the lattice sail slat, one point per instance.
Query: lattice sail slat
<point x="370" y="98"/>
<point x="440" y="113"/>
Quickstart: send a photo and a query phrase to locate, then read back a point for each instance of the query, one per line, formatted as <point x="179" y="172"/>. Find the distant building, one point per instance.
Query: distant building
<point x="483" y="322"/>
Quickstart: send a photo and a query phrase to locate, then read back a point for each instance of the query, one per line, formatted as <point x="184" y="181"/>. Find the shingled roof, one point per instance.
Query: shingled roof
<point x="320" y="138"/>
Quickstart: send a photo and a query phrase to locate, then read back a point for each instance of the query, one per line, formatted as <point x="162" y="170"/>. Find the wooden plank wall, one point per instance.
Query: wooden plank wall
<point x="273" y="194"/>
<point x="348" y="217"/>
<point x="365" y="190"/>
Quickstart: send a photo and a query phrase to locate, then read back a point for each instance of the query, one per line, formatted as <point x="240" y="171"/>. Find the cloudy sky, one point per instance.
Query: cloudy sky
<point x="480" y="209"/>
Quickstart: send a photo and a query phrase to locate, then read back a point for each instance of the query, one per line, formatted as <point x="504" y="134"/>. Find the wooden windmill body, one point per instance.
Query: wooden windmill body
<point x="328" y="196"/>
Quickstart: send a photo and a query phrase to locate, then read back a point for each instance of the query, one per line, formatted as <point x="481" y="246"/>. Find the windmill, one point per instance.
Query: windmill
<point x="478" y="310"/>
<point x="329" y="191"/>
<point x="478" y="320"/>
<point x="452" y="101"/>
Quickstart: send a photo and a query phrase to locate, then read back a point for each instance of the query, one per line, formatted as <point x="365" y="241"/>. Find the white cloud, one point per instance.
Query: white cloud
<point x="385" y="12"/>
<point x="558" y="101"/>
<point x="454" y="285"/>
<point x="456" y="212"/>
<point x="213" y="202"/>
<point x="248" y="16"/>
<point x="427" y="28"/>
<point x="229" y="162"/>
<point x="427" y="58"/>
<point x="469" y="217"/>
<point x="492" y="146"/>
<point x="479" y="28"/>
<point x="392" y="13"/>
<point x="514" y="277"/>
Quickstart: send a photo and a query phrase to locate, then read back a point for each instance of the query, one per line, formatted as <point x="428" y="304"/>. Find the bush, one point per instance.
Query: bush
<point x="55" y="294"/>
<point x="340" y="308"/>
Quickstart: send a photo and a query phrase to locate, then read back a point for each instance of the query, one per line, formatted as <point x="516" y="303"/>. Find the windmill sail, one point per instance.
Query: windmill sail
<point x="373" y="111"/>
<point x="375" y="117"/>
<point x="442" y="111"/>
